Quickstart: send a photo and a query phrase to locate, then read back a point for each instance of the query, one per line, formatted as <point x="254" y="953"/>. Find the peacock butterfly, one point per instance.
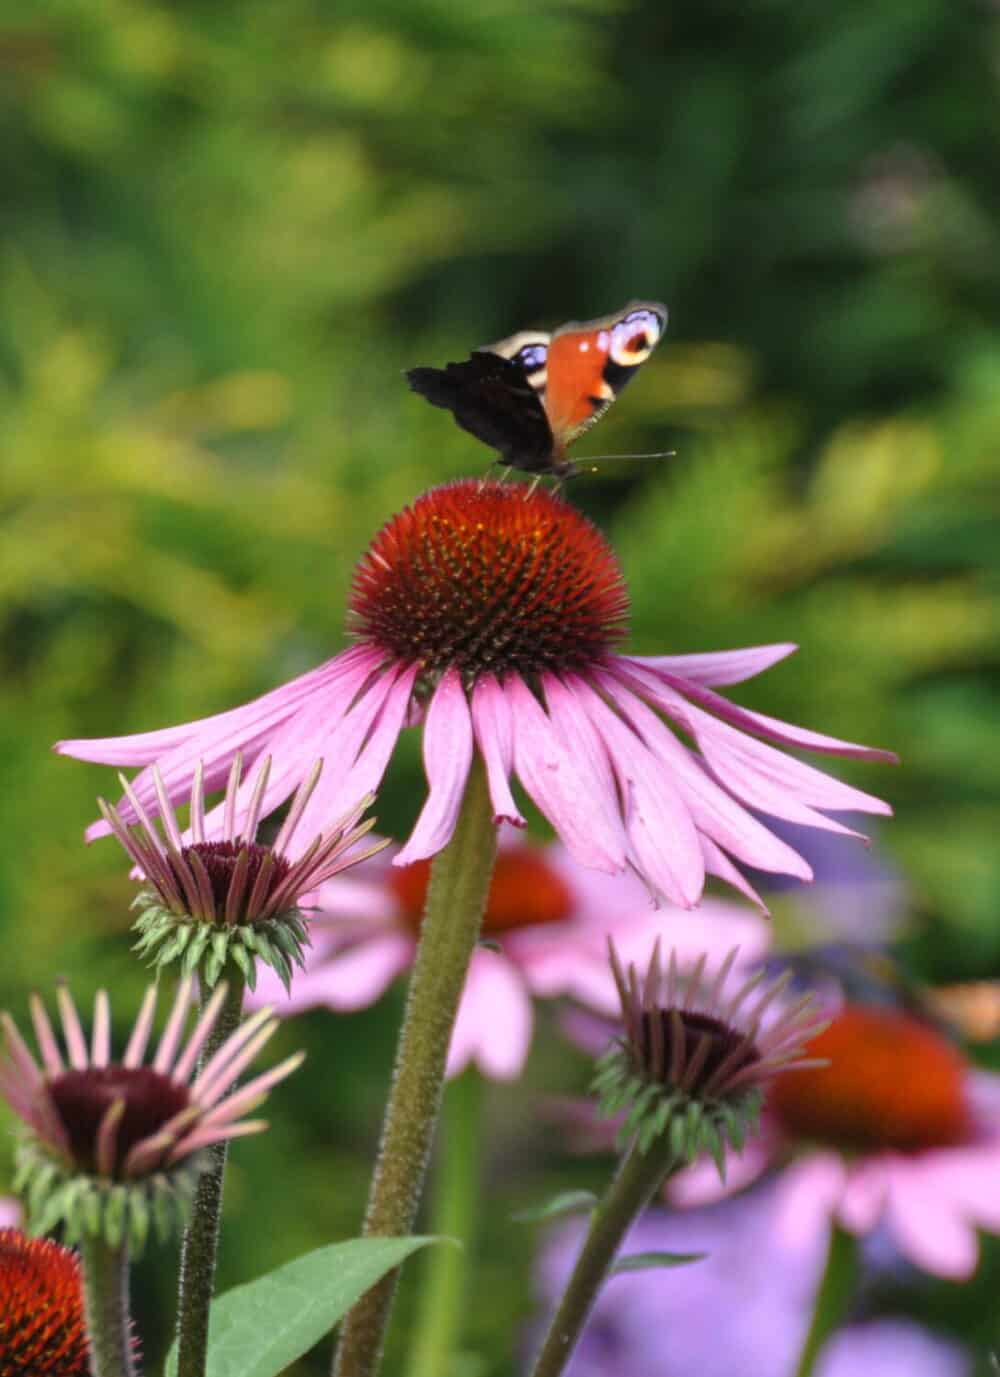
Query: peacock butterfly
<point x="530" y="396"/>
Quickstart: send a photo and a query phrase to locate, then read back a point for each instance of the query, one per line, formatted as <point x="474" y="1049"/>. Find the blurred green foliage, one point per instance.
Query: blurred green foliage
<point x="227" y="227"/>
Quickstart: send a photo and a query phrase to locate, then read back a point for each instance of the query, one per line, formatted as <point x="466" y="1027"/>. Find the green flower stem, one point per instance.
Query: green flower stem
<point x="456" y="1196"/>
<point x="833" y="1297"/>
<point x="639" y="1176"/>
<point x="105" y="1289"/>
<point x="200" y="1247"/>
<point x="456" y="900"/>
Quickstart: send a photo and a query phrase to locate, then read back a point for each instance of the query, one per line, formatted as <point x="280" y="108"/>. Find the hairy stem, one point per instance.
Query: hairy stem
<point x="105" y="1288"/>
<point x="200" y="1248"/>
<point x="456" y="899"/>
<point x="638" y="1177"/>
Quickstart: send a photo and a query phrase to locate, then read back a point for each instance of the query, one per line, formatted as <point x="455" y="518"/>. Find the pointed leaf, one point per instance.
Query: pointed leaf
<point x="645" y="1262"/>
<point x="258" y="1329"/>
<point x="569" y="1202"/>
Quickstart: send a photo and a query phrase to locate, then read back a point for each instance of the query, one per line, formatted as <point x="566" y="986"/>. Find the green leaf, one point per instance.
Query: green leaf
<point x="569" y="1202"/>
<point x="258" y="1329"/>
<point x="645" y="1262"/>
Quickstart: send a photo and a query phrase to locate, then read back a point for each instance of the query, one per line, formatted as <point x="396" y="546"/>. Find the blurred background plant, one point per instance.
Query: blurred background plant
<point x="225" y="231"/>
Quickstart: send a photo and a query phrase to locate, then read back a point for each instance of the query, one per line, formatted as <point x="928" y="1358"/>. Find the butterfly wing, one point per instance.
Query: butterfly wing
<point x="494" y="396"/>
<point x="589" y="363"/>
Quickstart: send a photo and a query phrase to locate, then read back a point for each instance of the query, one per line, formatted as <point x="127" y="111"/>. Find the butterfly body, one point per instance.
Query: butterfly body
<point x="530" y="396"/>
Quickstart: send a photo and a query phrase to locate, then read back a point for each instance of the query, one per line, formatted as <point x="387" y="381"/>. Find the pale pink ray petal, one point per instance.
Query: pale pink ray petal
<point x="252" y="1094"/>
<point x="582" y="740"/>
<point x="341" y="679"/>
<point x="715" y="813"/>
<point x="100" y="1037"/>
<point x="205" y="1137"/>
<point x="494" y="1021"/>
<point x="970" y="1176"/>
<point x="566" y="968"/>
<point x="771" y="728"/>
<point x="927" y="1227"/>
<point x="365" y="774"/>
<point x="330" y="727"/>
<point x="107" y="1136"/>
<point x="493" y="729"/>
<point x="76" y="1043"/>
<point x="808" y="1196"/>
<point x="232" y="1059"/>
<point x="550" y="775"/>
<point x="17" y="1051"/>
<point x="447" y="748"/>
<point x="348" y="981"/>
<point x="216" y="1064"/>
<point x="10" y="1214"/>
<point x="864" y="1194"/>
<point x="136" y="1049"/>
<point x="200" y="1033"/>
<point x="716" y="667"/>
<point x="142" y="748"/>
<point x="717" y="863"/>
<point x="175" y="1026"/>
<point x="660" y="829"/>
<point x="45" y="1037"/>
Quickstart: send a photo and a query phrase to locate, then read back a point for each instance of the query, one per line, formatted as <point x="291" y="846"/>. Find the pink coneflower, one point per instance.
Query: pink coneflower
<point x="546" y="924"/>
<point x="493" y="615"/>
<point x="113" y="1144"/>
<point x="234" y="897"/>
<point x="898" y="1131"/>
<point x="43" y="1330"/>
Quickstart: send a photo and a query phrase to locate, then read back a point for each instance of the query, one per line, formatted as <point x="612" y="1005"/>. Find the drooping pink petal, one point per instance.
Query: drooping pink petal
<point x="969" y="1177"/>
<point x="447" y="757"/>
<point x="717" y="863"/>
<point x="718" y="667"/>
<point x="342" y="786"/>
<point x="808" y="1196"/>
<point x="700" y="1184"/>
<point x="771" y="728"/>
<point x="551" y="776"/>
<point x="927" y="1227"/>
<point x="328" y="698"/>
<point x="142" y="748"/>
<point x="716" y="814"/>
<point x="661" y="832"/>
<point x="493" y="729"/>
<point x="864" y="1193"/>
<point x="494" y="1021"/>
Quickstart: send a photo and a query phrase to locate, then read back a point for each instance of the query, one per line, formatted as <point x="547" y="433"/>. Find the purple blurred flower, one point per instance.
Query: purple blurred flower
<point x="493" y="614"/>
<point x="743" y="1309"/>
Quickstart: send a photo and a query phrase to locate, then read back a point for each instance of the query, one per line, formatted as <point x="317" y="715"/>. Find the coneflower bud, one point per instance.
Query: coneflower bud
<point x="205" y="901"/>
<point x="112" y="1147"/>
<point x="695" y="1056"/>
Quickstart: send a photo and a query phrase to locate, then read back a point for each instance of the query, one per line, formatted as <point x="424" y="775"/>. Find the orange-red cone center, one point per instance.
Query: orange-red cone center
<point x="892" y="1082"/>
<point x="525" y="892"/>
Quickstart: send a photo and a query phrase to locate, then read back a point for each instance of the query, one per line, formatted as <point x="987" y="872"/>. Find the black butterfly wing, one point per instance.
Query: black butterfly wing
<point x="492" y="399"/>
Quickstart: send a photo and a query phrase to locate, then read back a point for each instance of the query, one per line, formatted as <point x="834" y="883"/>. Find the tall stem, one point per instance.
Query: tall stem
<point x="105" y="1289"/>
<point x="201" y="1238"/>
<point x="456" y="1195"/>
<point x="456" y="899"/>
<point x="638" y="1177"/>
<point x="832" y="1298"/>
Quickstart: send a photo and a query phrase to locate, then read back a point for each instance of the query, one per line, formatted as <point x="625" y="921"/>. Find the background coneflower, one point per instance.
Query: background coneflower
<point x="42" y="1323"/>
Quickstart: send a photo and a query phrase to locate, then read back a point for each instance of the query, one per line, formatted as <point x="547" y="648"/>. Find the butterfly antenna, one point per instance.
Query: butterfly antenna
<point x="591" y="462"/>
